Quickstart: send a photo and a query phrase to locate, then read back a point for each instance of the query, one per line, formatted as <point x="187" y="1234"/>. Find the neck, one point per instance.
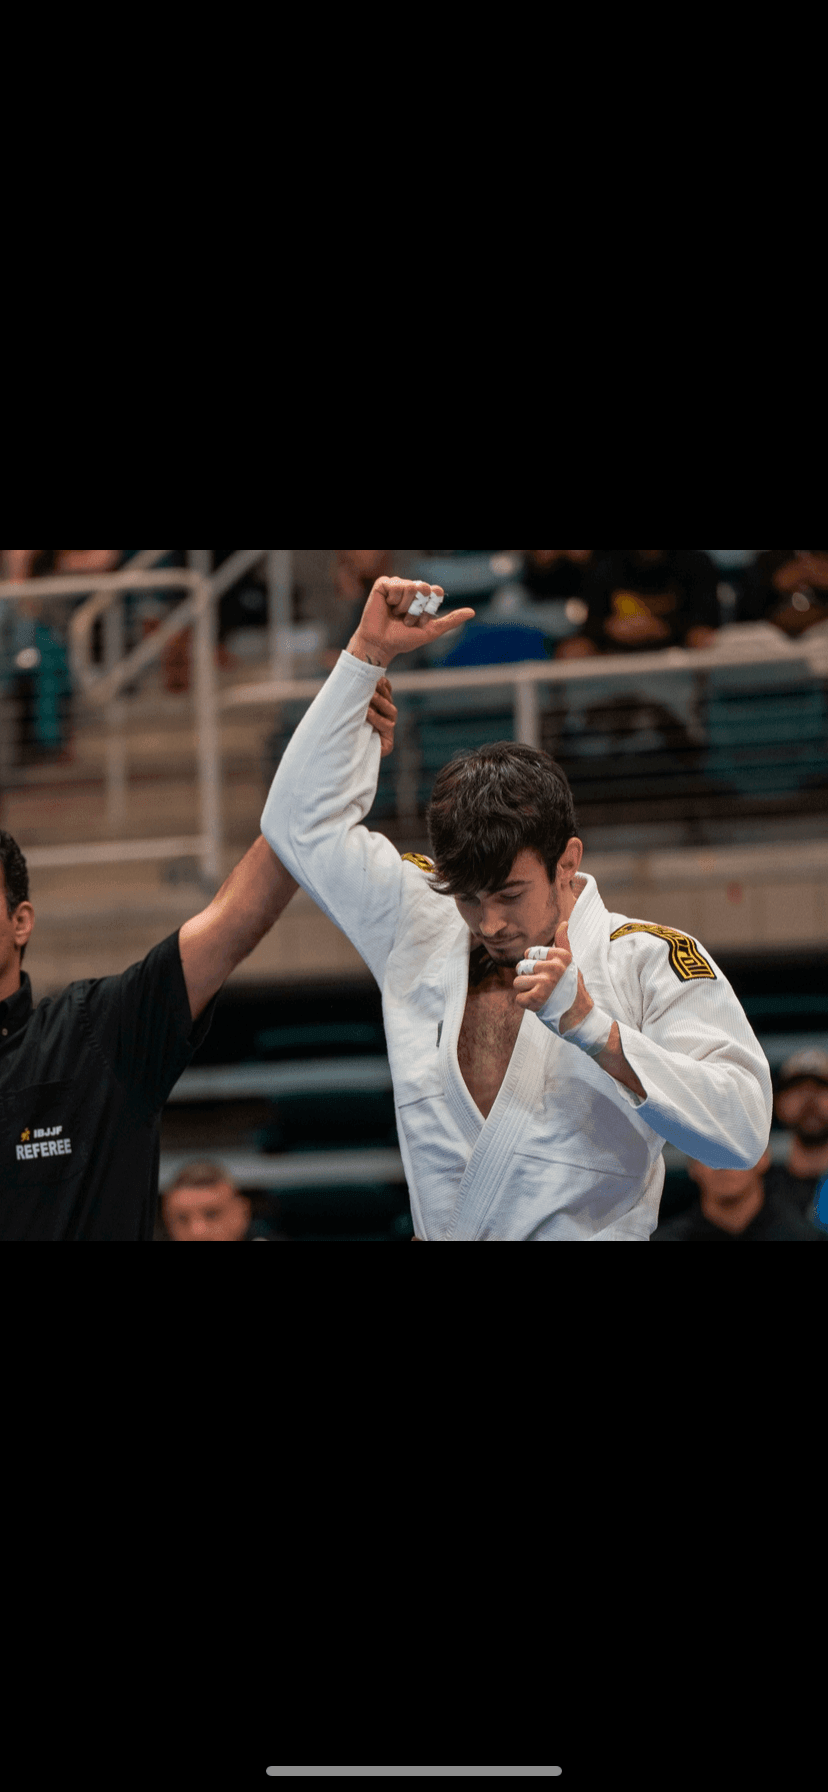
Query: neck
<point x="482" y="969"/>
<point x="10" y="982"/>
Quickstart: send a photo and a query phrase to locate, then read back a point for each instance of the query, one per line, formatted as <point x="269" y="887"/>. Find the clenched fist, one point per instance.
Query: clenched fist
<point x="401" y="614"/>
<point x="534" y="990"/>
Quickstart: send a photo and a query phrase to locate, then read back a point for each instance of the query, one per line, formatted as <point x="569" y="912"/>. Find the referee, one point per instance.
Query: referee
<point x="84" y="1076"/>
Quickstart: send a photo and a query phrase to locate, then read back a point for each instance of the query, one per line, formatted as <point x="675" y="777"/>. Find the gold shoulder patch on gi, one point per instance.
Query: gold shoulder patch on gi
<point x="419" y="859"/>
<point x="685" y="958"/>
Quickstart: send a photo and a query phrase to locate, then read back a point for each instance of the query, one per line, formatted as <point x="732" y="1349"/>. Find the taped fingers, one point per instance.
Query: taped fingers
<point x="529" y="965"/>
<point x="426" y="602"/>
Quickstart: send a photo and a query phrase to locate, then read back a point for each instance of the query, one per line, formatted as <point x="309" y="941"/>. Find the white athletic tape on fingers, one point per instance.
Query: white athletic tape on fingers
<point x="433" y="605"/>
<point x="417" y="607"/>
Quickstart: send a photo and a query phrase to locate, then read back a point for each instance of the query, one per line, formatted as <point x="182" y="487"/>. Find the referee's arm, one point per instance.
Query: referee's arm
<point x="256" y="893"/>
<point x="253" y="898"/>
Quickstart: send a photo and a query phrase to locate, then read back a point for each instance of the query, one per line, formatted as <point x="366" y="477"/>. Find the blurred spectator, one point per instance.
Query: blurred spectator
<point x="204" y="1206"/>
<point x="640" y="599"/>
<point x="85" y="560"/>
<point x="243" y="607"/>
<point x="801" y="1106"/>
<point x="556" y="572"/>
<point x="40" y="683"/>
<point x="17" y="563"/>
<point x="354" y="572"/>
<point x="788" y="587"/>
<point x="736" y="1206"/>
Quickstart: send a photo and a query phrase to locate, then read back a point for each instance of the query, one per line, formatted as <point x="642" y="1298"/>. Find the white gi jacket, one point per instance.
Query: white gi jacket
<point x="566" y="1152"/>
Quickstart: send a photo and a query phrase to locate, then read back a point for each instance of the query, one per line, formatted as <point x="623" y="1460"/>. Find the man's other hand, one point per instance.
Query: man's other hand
<point x="533" y="991"/>
<point x="382" y="715"/>
<point x="387" y="629"/>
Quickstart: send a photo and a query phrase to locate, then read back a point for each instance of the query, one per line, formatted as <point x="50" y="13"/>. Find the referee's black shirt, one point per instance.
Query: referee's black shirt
<point x="83" y="1080"/>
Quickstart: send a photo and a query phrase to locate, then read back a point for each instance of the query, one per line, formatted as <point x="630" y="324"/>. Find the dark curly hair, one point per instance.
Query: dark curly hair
<point x="15" y="876"/>
<point x="490" y="804"/>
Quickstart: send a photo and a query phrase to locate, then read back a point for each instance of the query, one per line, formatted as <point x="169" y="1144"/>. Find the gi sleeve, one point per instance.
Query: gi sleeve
<point x="707" y="1079"/>
<point x="325" y="786"/>
<point x="141" y="1024"/>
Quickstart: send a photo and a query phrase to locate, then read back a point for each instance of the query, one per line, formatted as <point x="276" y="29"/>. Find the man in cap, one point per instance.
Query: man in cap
<point x="801" y="1106"/>
<point x="738" y="1207"/>
<point x="772" y="1202"/>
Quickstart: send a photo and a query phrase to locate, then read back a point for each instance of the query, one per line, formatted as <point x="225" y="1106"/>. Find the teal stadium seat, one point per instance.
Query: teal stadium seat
<point x="768" y="738"/>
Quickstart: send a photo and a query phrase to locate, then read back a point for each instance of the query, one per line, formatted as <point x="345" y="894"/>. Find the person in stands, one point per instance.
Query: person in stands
<point x="801" y="1106"/>
<point x="203" y="1205"/>
<point x="556" y="572"/>
<point x="644" y="599"/>
<point x="736" y="1207"/>
<point x="788" y="587"/>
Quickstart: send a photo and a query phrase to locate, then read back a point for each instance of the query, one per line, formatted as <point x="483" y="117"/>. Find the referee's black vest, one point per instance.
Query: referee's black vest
<point x="83" y="1081"/>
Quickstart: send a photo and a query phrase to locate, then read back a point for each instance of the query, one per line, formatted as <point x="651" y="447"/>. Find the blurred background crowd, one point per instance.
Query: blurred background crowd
<point x="566" y="603"/>
<point x="729" y="754"/>
<point x="531" y="603"/>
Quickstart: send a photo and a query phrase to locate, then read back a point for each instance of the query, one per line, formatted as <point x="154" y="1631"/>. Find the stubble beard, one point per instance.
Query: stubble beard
<point x="511" y="956"/>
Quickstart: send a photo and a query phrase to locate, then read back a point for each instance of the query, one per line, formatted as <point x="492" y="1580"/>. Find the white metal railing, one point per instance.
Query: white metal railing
<point x="199" y="611"/>
<point x="103" y="602"/>
<point x="737" y="645"/>
<point x="106" y="599"/>
<point x="105" y="595"/>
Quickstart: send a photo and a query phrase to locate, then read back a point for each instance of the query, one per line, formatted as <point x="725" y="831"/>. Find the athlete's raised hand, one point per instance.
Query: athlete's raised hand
<point x="401" y="614"/>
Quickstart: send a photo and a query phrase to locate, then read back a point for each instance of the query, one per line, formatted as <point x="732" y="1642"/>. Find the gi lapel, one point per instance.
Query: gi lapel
<point x="494" y="1140"/>
<point x="456" y="984"/>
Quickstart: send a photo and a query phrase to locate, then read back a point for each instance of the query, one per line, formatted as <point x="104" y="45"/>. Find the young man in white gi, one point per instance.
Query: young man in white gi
<point x="541" y="1049"/>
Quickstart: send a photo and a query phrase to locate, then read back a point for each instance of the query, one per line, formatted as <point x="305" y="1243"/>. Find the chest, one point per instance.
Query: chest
<point x="488" y="1034"/>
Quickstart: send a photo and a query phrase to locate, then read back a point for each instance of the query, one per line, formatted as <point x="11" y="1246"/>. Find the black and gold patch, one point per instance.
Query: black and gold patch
<point x="685" y="958"/>
<point x="419" y="859"/>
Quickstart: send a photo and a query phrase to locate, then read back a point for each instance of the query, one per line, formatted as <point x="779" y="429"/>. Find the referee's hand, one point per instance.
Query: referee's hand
<point x="382" y="715"/>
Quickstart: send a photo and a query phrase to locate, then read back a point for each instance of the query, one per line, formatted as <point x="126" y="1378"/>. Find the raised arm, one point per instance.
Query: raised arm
<point x="254" y="896"/>
<point x="327" y="780"/>
<point x="213" y="943"/>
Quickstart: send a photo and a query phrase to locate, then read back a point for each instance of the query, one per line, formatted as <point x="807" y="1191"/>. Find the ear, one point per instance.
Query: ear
<point x="569" y="863"/>
<point x="24" y="920"/>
